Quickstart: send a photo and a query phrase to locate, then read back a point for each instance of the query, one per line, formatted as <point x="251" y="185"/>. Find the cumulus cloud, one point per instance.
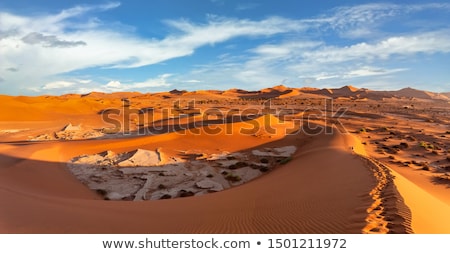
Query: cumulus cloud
<point x="156" y="82"/>
<point x="116" y="86"/>
<point x="113" y="85"/>
<point x="57" y="85"/>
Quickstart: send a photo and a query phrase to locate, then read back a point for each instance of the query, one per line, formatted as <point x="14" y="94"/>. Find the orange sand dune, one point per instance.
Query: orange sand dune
<point x="332" y="184"/>
<point x="23" y="108"/>
<point x="38" y="195"/>
<point x="429" y="214"/>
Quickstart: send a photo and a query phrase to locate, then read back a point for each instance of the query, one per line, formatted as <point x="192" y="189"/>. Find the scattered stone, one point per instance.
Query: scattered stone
<point x="220" y="156"/>
<point x="115" y="196"/>
<point x="208" y="184"/>
<point x="263" y="169"/>
<point x="141" y="158"/>
<point x="286" y="151"/>
<point x="165" y="196"/>
<point x="101" y="192"/>
<point x="143" y="175"/>
<point x="71" y="127"/>
<point x="142" y="170"/>
<point x="227" y="163"/>
<point x="184" y="193"/>
<point x="69" y="132"/>
<point x="239" y="164"/>
<point x="233" y="178"/>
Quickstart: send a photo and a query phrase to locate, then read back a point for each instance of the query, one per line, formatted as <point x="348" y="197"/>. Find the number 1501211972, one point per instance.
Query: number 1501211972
<point x="307" y="243"/>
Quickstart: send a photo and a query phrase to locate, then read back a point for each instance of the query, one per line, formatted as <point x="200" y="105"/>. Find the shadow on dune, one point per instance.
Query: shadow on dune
<point x="161" y="126"/>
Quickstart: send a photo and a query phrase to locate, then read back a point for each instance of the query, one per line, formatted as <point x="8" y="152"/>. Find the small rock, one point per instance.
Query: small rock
<point x="209" y="184"/>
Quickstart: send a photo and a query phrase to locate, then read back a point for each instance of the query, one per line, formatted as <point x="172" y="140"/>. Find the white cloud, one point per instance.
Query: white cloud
<point x="84" y="81"/>
<point x="305" y="61"/>
<point x="371" y="71"/>
<point x="58" y="85"/>
<point x="324" y="76"/>
<point x="362" y="20"/>
<point x="160" y="81"/>
<point x="116" y="86"/>
<point x="309" y="58"/>
<point x="192" y="81"/>
<point x="77" y="11"/>
<point x="429" y="42"/>
<point x="220" y="29"/>
<point x="43" y="47"/>
<point x="113" y="85"/>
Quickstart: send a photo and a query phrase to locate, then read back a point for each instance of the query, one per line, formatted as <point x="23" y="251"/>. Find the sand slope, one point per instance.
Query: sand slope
<point x="36" y="197"/>
<point x="332" y="184"/>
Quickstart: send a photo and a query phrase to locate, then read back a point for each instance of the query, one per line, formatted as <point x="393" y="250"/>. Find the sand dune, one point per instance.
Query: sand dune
<point x="414" y="93"/>
<point x="334" y="182"/>
<point x="360" y="93"/>
<point x="284" y="201"/>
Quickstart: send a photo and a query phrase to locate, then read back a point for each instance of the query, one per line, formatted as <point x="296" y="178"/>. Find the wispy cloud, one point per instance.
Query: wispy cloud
<point x="32" y="46"/>
<point x="325" y="76"/>
<point x="38" y="42"/>
<point x="371" y="71"/>
<point x="301" y="61"/>
<point x="85" y="86"/>
<point x="363" y="20"/>
<point x="270" y="64"/>
<point x="192" y="81"/>
<point x="429" y="42"/>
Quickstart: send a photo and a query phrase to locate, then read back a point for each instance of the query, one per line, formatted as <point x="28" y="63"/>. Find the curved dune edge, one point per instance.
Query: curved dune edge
<point x="388" y="212"/>
<point x="429" y="214"/>
<point x="419" y="211"/>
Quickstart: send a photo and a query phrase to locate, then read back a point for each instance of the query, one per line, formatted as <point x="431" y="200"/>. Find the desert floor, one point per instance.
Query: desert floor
<point x="224" y="162"/>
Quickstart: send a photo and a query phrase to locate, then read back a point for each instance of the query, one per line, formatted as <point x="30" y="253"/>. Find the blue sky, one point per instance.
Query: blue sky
<point x="58" y="47"/>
